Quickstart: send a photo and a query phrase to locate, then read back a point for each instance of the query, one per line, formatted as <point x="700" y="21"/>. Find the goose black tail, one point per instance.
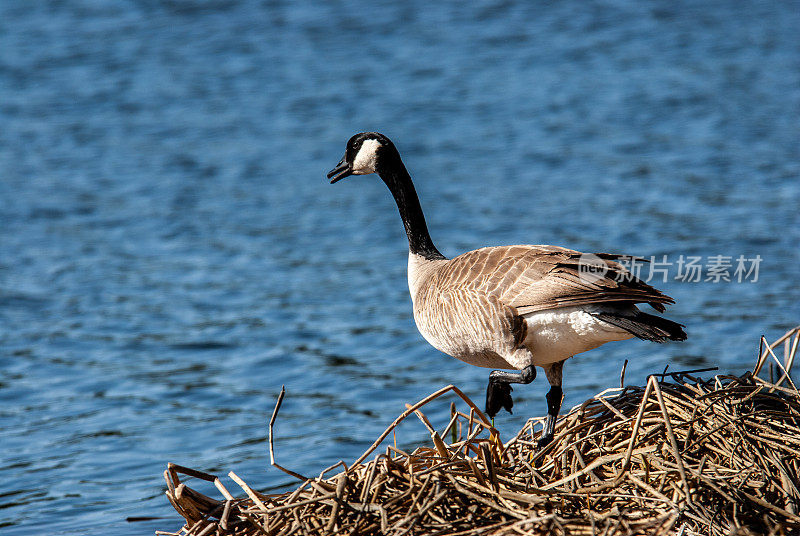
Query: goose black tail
<point x="645" y="326"/>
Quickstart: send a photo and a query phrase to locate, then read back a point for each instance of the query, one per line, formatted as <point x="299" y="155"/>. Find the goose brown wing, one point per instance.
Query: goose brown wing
<point x="538" y="278"/>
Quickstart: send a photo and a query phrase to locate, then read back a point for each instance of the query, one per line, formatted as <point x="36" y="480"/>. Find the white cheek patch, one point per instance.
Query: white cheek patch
<point x="366" y="159"/>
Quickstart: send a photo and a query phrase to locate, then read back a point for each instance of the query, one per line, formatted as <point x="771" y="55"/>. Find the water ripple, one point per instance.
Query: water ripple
<point x="171" y="254"/>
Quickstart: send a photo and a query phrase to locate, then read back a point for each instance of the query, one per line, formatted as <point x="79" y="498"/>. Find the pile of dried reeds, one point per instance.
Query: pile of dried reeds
<point x="686" y="456"/>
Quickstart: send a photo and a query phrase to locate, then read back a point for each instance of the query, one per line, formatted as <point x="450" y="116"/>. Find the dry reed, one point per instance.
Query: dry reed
<point x="681" y="455"/>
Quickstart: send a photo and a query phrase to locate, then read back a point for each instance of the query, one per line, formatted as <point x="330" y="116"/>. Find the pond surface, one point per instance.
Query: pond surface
<point x="171" y="252"/>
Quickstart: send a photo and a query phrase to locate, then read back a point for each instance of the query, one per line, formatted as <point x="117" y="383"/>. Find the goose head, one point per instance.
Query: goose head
<point x="366" y="153"/>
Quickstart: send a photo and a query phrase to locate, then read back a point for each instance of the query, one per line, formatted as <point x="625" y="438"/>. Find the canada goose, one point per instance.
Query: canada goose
<point x="510" y="307"/>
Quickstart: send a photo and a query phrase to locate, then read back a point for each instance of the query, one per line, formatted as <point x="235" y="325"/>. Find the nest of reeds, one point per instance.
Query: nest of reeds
<point x="681" y="455"/>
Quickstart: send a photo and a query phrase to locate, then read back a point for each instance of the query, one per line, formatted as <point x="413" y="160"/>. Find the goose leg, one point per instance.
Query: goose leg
<point x="498" y="392"/>
<point x="554" y="398"/>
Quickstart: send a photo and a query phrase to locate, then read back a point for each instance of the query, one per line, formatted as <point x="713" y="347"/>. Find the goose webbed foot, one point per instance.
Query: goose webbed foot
<point x="498" y="392"/>
<point x="498" y="396"/>
<point x="554" y="396"/>
<point x="547" y="433"/>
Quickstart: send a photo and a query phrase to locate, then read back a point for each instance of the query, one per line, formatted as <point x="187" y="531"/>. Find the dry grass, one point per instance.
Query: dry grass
<point x="681" y="455"/>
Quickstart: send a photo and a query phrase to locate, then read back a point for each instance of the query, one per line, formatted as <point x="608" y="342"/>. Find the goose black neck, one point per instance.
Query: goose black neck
<point x="396" y="177"/>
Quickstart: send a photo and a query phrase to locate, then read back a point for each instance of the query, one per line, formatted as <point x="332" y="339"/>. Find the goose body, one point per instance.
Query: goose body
<point x="510" y="307"/>
<point x="499" y="307"/>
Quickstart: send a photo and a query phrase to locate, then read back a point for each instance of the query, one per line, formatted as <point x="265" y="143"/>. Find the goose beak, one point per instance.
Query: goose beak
<point x="341" y="171"/>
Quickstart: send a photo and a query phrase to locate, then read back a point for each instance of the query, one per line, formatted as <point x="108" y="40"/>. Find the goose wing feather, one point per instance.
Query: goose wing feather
<point x="538" y="278"/>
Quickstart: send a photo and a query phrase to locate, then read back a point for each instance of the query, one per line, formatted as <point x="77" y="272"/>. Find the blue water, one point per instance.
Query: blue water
<point x="171" y="253"/>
